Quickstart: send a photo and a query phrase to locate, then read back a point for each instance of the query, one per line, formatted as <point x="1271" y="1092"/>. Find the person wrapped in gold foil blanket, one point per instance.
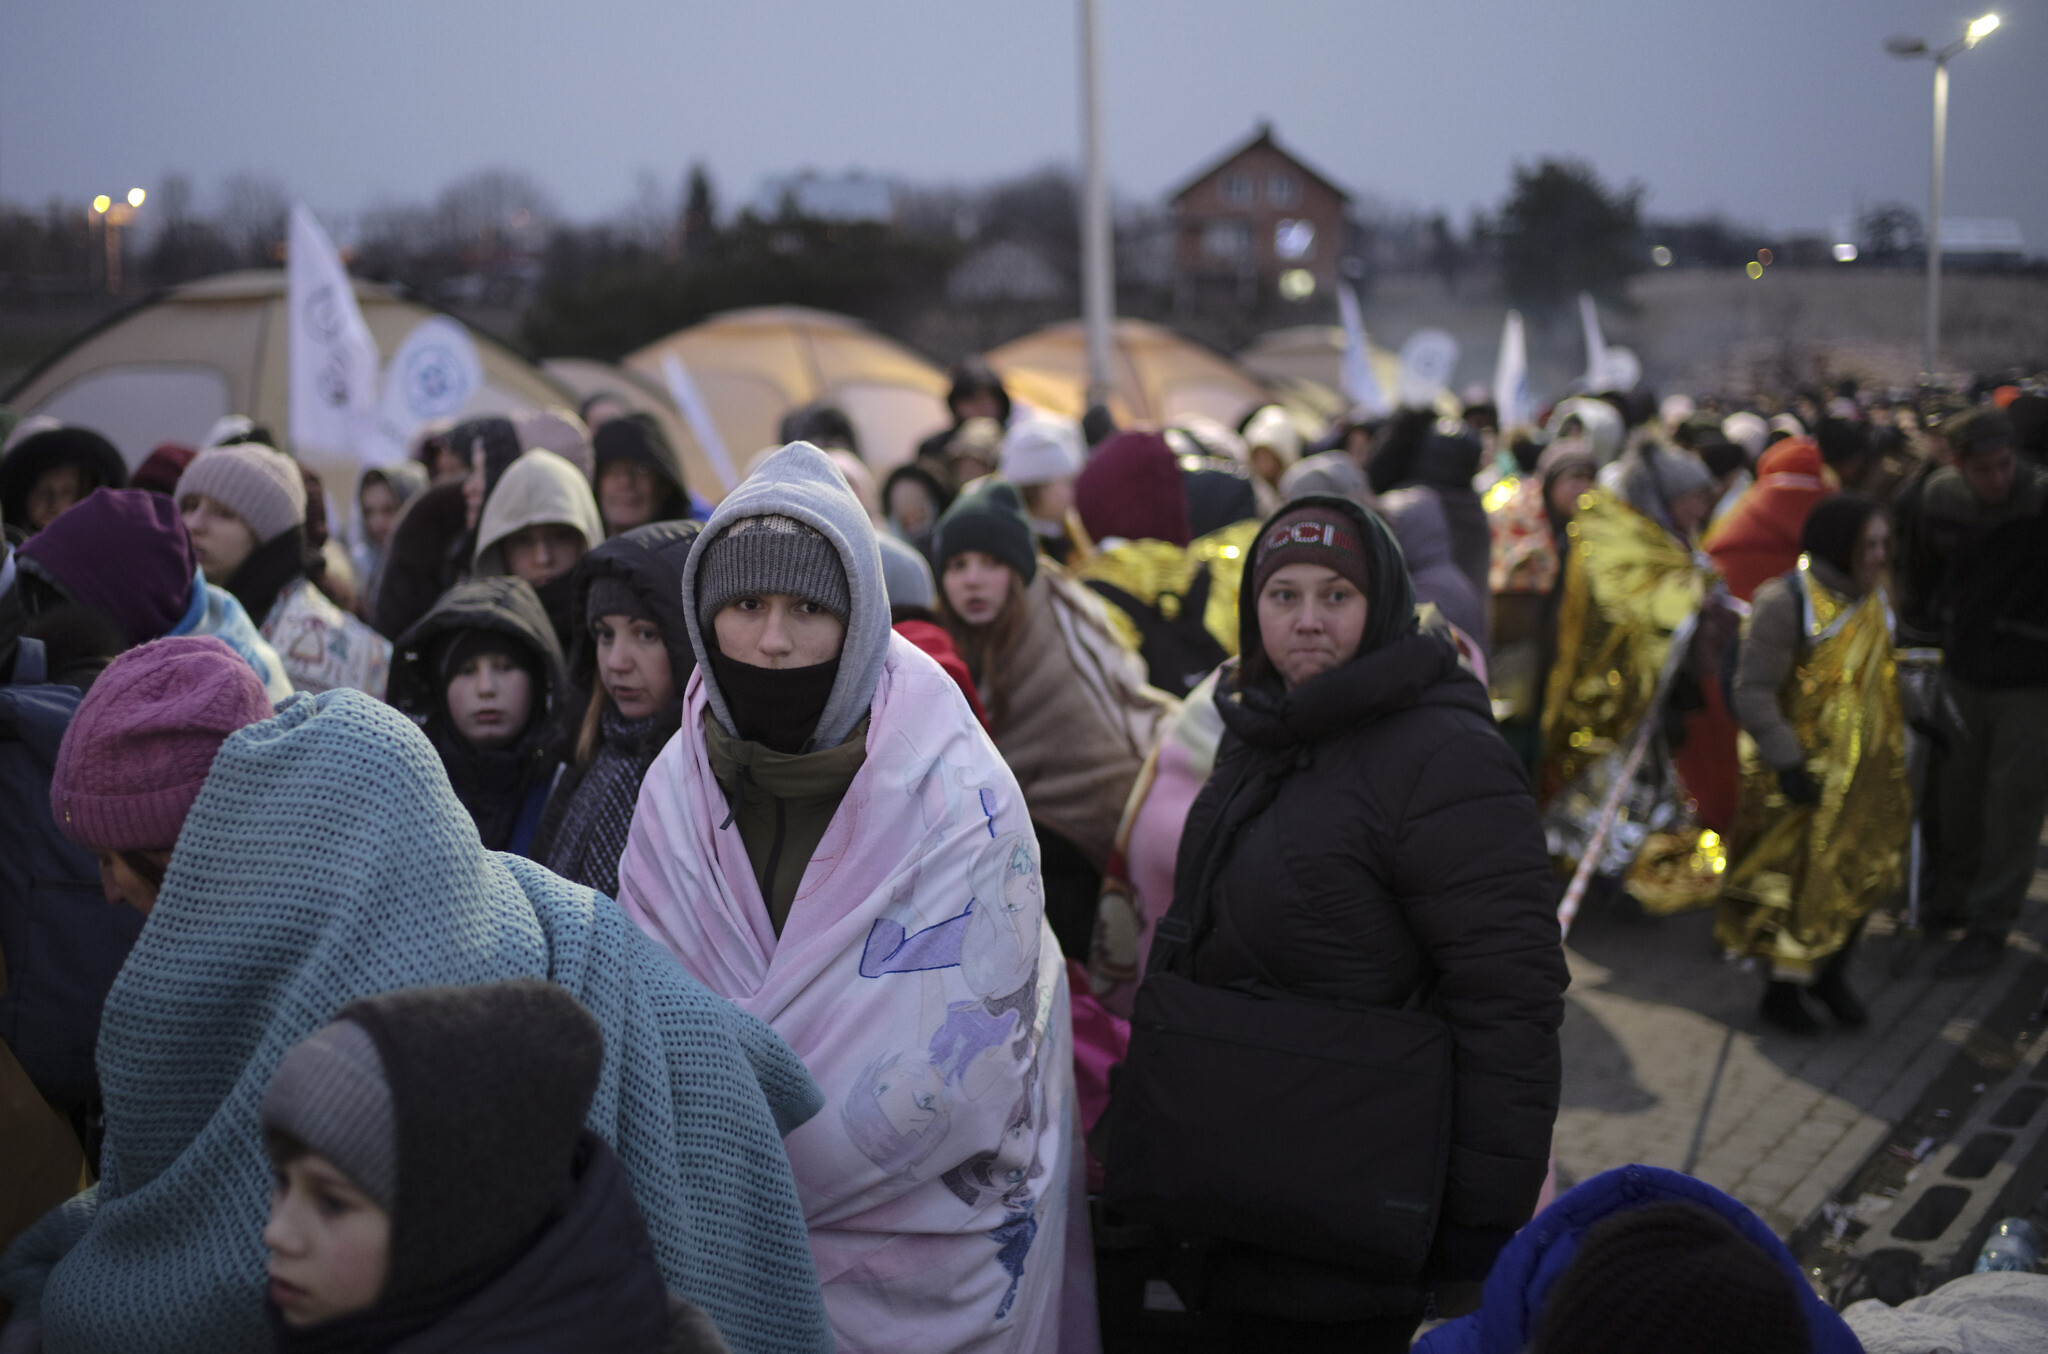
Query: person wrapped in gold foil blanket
<point x="1826" y="805"/>
<point x="1632" y="580"/>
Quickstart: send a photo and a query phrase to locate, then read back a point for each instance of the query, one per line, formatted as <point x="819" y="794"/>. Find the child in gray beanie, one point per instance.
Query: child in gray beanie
<point x="433" y="1172"/>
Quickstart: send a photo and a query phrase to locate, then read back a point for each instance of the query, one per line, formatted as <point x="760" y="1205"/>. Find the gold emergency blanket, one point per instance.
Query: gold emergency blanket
<point x="1159" y="573"/>
<point x="1803" y="875"/>
<point x="1627" y="586"/>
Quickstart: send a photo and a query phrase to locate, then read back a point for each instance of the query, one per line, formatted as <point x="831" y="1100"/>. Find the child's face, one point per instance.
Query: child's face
<point x="489" y="698"/>
<point x="329" y="1244"/>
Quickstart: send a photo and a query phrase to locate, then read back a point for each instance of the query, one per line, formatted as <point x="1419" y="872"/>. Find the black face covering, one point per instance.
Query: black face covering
<point x="775" y="707"/>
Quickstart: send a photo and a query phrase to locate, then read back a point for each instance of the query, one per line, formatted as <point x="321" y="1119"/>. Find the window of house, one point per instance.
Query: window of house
<point x="1294" y="239"/>
<point x="1282" y="190"/>
<point x="1227" y="240"/>
<point x="1237" y="189"/>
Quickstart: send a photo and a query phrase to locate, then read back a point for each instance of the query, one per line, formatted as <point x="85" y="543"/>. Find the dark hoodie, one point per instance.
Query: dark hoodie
<point x="39" y="452"/>
<point x="431" y="544"/>
<point x="583" y="833"/>
<point x="639" y="439"/>
<point x="1364" y="833"/>
<point x="504" y="789"/>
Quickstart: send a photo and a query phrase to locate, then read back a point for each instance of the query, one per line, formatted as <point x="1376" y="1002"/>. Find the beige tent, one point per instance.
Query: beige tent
<point x="1156" y="374"/>
<point x="1307" y="361"/>
<point x="164" y="371"/>
<point x="635" y="390"/>
<point x="753" y="366"/>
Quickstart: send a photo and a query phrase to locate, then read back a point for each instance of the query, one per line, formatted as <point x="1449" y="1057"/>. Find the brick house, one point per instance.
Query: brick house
<point x="1255" y="214"/>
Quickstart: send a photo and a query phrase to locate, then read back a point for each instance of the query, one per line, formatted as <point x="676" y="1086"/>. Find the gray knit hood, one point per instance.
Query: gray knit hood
<point x="800" y="481"/>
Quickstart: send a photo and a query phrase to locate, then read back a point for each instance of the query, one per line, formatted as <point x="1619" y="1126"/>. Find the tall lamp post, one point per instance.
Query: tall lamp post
<point x="1910" y="49"/>
<point x="115" y="215"/>
<point x="1098" y="289"/>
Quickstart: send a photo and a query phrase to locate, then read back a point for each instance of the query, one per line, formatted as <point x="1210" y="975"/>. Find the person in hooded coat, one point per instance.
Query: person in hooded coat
<point x="503" y="776"/>
<point x="831" y="841"/>
<point x="976" y="392"/>
<point x="1365" y="833"/>
<point x="311" y="859"/>
<point x="381" y="497"/>
<point x="447" y="1122"/>
<point x="434" y="541"/>
<point x="639" y="476"/>
<point x="537" y="523"/>
<point x="120" y="570"/>
<point x="1651" y="1279"/>
<point x="914" y="495"/>
<point x="246" y="506"/>
<point x="1416" y="516"/>
<point x="46" y="472"/>
<point x="1068" y="704"/>
<point x="633" y="655"/>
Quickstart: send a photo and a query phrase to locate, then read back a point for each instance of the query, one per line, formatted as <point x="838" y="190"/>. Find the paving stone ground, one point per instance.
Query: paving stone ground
<point x="1666" y="1061"/>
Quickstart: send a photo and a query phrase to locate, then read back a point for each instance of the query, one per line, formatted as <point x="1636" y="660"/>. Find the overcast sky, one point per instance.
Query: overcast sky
<point x="1780" y="112"/>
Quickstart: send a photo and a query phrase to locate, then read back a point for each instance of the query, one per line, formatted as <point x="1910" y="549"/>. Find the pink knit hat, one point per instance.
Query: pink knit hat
<point x="144" y="738"/>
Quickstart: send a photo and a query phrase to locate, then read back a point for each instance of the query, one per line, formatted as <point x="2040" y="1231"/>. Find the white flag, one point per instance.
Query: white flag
<point x="333" y="357"/>
<point x="1511" y="375"/>
<point x="1427" y="360"/>
<point x="689" y="402"/>
<point x="432" y="375"/>
<point x="1361" y="387"/>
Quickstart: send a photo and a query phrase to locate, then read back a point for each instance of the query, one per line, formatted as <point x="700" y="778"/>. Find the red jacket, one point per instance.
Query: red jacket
<point x="934" y="640"/>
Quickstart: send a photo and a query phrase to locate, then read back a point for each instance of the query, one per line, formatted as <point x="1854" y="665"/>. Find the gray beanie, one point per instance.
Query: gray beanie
<point x="905" y="575"/>
<point x="756" y="556"/>
<point x="264" y="487"/>
<point x="330" y="1093"/>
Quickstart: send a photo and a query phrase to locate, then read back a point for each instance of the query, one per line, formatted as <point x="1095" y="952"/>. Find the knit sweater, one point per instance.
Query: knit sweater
<point x="326" y="859"/>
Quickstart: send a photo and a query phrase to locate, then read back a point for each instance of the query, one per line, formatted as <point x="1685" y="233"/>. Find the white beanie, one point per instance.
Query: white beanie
<point x="1040" y="450"/>
<point x="264" y="487"/>
<point x="1746" y="430"/>
<point x="1272" y="429"/>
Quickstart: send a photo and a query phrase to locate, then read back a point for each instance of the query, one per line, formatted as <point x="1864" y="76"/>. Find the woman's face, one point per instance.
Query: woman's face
<point x="1689" y="512"/>
<point x="977" y="584"/>
<point x="910" y="503"/>
<point x="122" y="884"/>
<point x="1873" y="552"/>
<point x="220" y="538"/>
<point x="1566" y="489"/>
<point x="1310" y="620"/>
<point x="380" y="511"/>
<point x="489" y="699"/>
<point x="58" y="488"/>
<point x="543" y="552"/>
<point x="625" y="495"/>
<point x="632" y="662"/>
<point x="776" y="630"/>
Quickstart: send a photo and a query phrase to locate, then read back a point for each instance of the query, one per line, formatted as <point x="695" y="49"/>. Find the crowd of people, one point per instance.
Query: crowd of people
<point x="539" y="908"/>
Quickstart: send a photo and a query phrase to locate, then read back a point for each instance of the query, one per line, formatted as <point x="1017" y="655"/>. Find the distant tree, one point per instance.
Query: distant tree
<point x="185" y="246"/>
<point x="254" y="216"/>
<point x="1563" y="232"/>
<point x="481" y="215"/>
<point x="700" y="215"/>
<point x="1705" y="241"/>
<point x="1890" y="232"/>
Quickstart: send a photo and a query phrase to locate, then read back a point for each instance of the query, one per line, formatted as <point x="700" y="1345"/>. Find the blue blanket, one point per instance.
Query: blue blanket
<point x="326" y="859"/>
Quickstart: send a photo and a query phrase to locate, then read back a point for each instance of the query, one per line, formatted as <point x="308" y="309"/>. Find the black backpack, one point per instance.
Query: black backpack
<point x="62" y="942"/>
<point x="1177" y="648"/>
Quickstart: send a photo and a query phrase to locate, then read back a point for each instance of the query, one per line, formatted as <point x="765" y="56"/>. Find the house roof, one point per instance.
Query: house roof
<point x="1263" y="137"/>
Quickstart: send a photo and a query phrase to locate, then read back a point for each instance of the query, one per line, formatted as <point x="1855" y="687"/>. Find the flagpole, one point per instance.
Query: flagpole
<point x="1097" y="286"/>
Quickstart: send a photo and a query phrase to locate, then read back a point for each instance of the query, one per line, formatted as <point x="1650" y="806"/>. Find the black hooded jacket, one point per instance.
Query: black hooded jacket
<point x="649" y="560"/>
<point x="431" y="543"/>
<point x="39" y="452"/>
<point x="1369" y="831"/>
<point x="503" y="787"/>
<point x="639" y="439"/>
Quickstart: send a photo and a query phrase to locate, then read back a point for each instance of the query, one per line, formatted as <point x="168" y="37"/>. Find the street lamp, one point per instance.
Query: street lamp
<point x="1910" y="49"/>
<point x="115" y="215"/>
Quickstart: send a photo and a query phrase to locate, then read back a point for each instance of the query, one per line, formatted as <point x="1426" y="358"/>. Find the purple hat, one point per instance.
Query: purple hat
<point x="144" y="738"/>
<point x="121" y="551"/>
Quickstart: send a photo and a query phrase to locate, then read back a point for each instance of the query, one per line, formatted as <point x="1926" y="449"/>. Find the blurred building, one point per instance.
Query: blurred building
<point x="1256" y="225"/>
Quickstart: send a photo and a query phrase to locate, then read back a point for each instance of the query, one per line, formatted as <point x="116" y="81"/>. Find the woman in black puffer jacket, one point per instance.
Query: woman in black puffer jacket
<point x="1366" y="832"/>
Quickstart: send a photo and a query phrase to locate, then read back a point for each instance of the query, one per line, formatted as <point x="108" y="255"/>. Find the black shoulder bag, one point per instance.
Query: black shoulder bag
<point x="1246" y="1113"/>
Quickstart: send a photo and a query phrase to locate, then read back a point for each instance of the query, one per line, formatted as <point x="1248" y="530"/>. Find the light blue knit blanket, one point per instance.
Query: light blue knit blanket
<point x="326" y="859"/>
